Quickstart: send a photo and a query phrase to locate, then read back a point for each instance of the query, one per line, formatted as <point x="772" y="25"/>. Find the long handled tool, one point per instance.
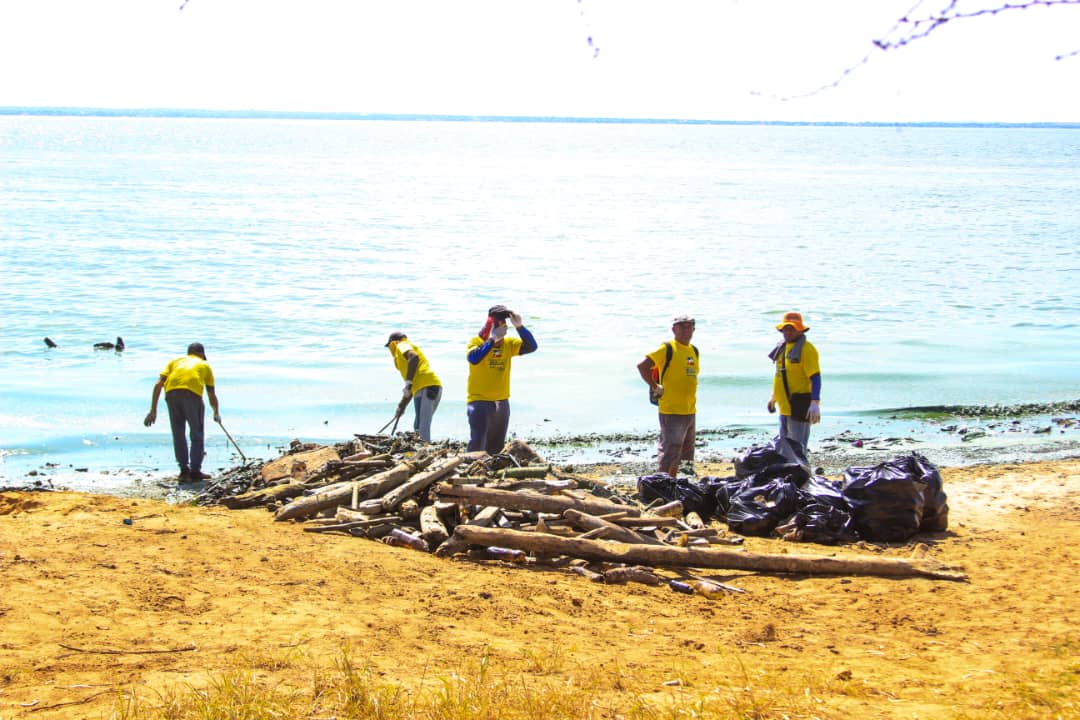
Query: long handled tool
<point x="397" y="416"/>
<point x="391" y="420"/>
<point x="242" y="456"/>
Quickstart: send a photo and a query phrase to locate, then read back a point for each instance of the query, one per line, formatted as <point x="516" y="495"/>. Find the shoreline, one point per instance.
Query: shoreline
<point x="139" y="466"/>
<point x="618" y="458"/>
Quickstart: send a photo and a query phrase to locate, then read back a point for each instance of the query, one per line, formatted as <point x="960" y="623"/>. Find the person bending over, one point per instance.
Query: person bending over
<point x="183" y="380"/>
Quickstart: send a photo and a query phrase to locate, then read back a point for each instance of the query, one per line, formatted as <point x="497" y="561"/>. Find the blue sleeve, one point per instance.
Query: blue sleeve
<point x="528" y="342"/>
<point x="477" y="354"/>
<point x="815" y="387"/>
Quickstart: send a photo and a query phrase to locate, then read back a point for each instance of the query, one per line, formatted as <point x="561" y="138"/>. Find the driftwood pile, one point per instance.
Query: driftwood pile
<point x="512" y="507"/>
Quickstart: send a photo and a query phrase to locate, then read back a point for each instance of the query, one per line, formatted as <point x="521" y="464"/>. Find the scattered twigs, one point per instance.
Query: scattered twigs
<point x="107" y="651"/>
<point x="83" y="701"/>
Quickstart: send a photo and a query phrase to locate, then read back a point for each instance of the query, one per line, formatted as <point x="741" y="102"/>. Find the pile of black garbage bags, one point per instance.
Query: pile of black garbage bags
<point x="774" y="491"/>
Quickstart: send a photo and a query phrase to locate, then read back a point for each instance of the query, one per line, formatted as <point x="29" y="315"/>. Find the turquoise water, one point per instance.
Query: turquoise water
<point x="934" y="265"/>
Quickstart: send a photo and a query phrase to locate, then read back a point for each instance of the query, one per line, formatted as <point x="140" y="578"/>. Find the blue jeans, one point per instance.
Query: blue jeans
<point x="488" y="422"/>
<point x="425" y="403"/>
<point x="796" y="430"/>
<point x="186" y="408"/>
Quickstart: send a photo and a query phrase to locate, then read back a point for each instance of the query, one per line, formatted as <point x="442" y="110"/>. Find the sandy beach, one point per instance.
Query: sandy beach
<point x="102" y="592"/>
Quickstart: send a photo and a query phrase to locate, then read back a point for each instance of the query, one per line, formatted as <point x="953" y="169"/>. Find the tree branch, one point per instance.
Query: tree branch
<point x="907" y="30"/>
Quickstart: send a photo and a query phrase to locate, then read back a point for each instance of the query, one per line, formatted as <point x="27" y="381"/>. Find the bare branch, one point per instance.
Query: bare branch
<point x="908" y="30"/>
<point x="917" y="29"/>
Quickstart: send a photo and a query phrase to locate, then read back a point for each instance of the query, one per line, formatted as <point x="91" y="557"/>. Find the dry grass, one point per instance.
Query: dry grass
<point x="538" y="686"/>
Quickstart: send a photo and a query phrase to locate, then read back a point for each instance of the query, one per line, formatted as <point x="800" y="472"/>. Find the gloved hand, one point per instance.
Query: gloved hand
<point x="217" y="418"/>
<point x="516" y="320"/>
<point x="814" y="415"/>
<point x="150" y="418"/>
<point x="771" y="406"/>
<point x="498" y="333"/>
<point x="658" y="392"/>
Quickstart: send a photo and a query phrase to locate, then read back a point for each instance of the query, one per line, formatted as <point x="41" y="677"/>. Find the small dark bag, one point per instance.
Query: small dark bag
<point x="800" y="406"/>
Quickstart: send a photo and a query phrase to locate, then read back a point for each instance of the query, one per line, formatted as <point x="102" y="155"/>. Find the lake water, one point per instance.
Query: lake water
<point x="935" y="265"/>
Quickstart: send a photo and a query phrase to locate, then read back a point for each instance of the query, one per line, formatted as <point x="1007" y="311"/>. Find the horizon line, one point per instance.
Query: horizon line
<point x="78" y="111"/>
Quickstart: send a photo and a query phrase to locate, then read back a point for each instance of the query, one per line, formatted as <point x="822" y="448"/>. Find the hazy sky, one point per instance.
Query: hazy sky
<point x="691" y="59"/>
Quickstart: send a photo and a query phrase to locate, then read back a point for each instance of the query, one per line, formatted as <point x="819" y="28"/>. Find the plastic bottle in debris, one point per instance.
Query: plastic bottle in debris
<point x="507" y="554"/>
<point x="680" y="587"/>
<point x="400" y="538"/>
<point x="706" y="588"/>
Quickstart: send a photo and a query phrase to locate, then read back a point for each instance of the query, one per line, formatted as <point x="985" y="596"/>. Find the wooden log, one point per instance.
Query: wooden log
<point x="432" y="528"/>
<point x="528" y="501"/>
<point x="619" y="575"/>
<point x="694" y="520"/>
<point x="263" y="496"/>
<point x="552" y="486"/>
<point x="584" y="521"/>
<point x="345" y="514"/>
<point x="522" y="452"/>
<point x="341" y="493"/>
<point x="525" y="473"/>
<point x="409" y="509"/>
<point x="284" y="466"/>
<point x="671" y="509"/>
<point x="350" y="524"/>
<point x="365" y="488"/>
<point x="587" y="573"/>
<point x="468" y="480"/>
<point x="421" y="481"/>
<point x="707" y="557"/>
<point x="647" y="521"/>
<point x="485" y="517"/>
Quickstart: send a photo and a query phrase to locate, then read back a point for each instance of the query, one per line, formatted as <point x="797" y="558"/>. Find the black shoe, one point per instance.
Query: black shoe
<point x="199" y="475"/>
<point x="185" y="474"/>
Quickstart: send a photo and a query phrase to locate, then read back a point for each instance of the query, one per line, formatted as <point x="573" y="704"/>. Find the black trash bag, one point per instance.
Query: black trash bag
<point x="780" y="452"/>
<point x="886" y="500"/>
<point x="793" y="472"/>
<point x="664" y="487"/>
<point x="822" y="489"/>
<point x="758" y="510"/>
<point x="821" y="515"/>
<point x="935" y="515"/>
<point x="723" y="491"/>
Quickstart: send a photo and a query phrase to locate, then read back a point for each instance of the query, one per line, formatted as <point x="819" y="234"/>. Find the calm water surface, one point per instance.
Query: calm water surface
<point x="934" y="265"/>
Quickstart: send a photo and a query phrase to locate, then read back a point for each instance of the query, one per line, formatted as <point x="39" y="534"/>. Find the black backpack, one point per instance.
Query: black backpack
<point x="658" y="376"/>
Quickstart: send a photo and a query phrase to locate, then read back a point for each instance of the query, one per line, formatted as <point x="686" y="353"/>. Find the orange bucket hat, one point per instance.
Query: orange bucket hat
<point x="793" y="319"/>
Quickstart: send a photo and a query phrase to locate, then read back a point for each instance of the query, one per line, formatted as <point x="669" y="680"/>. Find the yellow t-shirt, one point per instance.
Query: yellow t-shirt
<point x="188" y="373"/>
<point x="680" y="380"/>
<point x="798" y="375"/>
<point x="489" y="379"/>
<point x="424" y="376"/>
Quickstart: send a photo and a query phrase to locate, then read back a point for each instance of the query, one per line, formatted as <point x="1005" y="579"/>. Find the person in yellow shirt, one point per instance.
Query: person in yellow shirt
<point x="490" y="354"/>
<point x="796" y="382"/>
<point x="422" y="385"/>
<point x="183" y="380"/>
<point x="674" y="386"/>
